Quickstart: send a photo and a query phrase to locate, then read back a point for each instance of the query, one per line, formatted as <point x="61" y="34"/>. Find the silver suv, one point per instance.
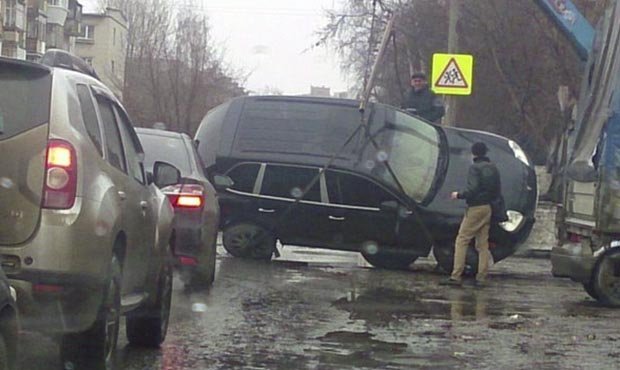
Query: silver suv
<point x="85" y="234"/>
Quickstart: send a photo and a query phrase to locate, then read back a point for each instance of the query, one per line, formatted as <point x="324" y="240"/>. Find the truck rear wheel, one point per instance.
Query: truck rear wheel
<point x="606" y="278"/>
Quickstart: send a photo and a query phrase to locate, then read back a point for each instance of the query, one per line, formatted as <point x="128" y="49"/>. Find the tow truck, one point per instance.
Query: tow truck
<point x="588" y="221"/>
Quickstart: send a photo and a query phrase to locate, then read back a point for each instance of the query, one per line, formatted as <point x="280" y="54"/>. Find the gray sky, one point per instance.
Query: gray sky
<point x="271" y="40"/>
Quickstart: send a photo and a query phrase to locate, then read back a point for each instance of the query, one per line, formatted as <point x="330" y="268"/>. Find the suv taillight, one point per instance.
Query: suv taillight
<point x="189" y="196"/>
<point x="60" y="175"/>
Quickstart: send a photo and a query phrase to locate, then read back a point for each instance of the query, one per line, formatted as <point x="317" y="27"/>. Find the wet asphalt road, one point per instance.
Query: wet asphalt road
<point x="314" y="309"/>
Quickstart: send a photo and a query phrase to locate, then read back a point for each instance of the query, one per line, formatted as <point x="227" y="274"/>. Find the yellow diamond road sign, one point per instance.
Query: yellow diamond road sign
<point x="452" y="74"/>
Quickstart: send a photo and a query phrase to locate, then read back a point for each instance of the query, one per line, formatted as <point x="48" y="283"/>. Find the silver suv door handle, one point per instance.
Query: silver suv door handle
<point x="122" y="195"/>
<point x="144" y="204"/>
<point x="263" y="210"/>
<point x="336" y="218"/>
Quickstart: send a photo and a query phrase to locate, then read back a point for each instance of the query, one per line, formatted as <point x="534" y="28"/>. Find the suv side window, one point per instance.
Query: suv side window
<point x="89" y="116"/>
<point x="351" y="190"/>
<point x="114" y="147"/>
<point x="289" y="182"/>
<point x="132" y="149"/>
<point x="244" y="177"/>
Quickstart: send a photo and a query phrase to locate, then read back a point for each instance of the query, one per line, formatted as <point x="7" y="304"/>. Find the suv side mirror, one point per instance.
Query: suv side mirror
<point x="165" y="174"/>
<point x="389" y="206"/>
<point x="222" y="182"/>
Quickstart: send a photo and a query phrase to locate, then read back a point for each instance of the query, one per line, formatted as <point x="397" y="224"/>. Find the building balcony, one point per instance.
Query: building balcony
<point x="57" y="14"/>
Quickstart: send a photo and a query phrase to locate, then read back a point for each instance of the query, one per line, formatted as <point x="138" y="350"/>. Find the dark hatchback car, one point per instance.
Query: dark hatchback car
<point x="385" y="192"/>
<point x="197" y="213"/>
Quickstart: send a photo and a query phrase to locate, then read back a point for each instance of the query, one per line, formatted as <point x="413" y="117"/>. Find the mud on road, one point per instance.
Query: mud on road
<point x="324" y="310"/>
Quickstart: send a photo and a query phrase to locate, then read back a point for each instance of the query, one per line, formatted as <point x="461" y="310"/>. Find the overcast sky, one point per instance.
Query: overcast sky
<point x="272" y="41"/>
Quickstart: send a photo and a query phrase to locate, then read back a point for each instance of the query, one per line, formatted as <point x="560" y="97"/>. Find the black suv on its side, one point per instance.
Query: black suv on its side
<point x="385" y="192"/>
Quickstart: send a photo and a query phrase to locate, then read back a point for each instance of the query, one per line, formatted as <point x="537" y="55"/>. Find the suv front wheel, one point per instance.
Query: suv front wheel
<point x="390" y="261"/>
<point x="95" y="348"/>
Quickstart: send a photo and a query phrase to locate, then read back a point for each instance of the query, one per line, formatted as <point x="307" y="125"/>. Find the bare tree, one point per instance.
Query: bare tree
<point x="520" y="59"/>
<point x="173" y="72"/>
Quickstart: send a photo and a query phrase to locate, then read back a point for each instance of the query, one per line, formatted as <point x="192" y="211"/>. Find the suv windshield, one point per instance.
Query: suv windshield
<point x="413" y="148"/>
<point x="19" y="85"/>
<point x="167" y="149"/>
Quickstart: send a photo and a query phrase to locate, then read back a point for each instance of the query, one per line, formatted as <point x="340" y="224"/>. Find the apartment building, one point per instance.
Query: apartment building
<point x="63" y="19"/>
<point x="13" y="28"/>
<point x="29" y="27"/>
<point x="102" y="43"/>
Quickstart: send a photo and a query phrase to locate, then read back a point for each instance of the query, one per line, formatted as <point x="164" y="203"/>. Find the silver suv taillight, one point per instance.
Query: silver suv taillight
<point x="60" y="175"/>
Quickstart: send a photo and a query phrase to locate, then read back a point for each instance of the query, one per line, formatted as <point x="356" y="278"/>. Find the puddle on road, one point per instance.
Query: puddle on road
<point x="383" y="305"/>
<point x="363" y="350"/>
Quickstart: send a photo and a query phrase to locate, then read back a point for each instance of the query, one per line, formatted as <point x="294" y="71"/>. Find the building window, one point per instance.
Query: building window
<point x="112" y="66"/>
<point x="114" y="37"/>
<point x="14" y="15"/>
<point x="88" y="60"/>
<point x="87" y="31"/>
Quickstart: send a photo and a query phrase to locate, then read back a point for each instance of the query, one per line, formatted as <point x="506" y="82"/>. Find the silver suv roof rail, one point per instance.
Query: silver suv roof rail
<point x="63" y="59"/>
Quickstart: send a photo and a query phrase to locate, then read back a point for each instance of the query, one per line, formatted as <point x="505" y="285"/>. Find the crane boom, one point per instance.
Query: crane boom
<point x="571" y="23"/>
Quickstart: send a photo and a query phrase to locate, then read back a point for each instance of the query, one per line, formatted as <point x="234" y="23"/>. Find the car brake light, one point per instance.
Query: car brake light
<point x="60" y="185"/>
<point x="188" y="261"/>
<point x="47" y="288"/>
<point x="185" y="195"/>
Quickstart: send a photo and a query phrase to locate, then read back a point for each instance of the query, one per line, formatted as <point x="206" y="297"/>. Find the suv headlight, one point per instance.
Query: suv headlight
<point x="518" y="152"/>
<point x="515" y="219"/>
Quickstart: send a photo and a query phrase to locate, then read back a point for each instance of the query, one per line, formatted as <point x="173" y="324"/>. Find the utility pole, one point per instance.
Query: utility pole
<point x="453" y="46"/>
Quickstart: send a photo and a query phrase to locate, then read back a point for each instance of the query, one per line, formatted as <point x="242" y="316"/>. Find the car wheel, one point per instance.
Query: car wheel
<point x="96" y="347"/>
<point x="203" y="276"/>
<point x="249" y="241"/>
<point x="606" y="278"/>
<point x="444" y="255"/>
<point x="390" y="261"/>
<point x="589" y="288"/>
<point x="148" y="326"/>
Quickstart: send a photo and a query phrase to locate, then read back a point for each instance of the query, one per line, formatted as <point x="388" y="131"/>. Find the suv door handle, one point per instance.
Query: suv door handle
<point x="122" y="195"/>
<point x="263" y="210"/>
<point x="144" y="204"/>
<point x="334" y="218"/>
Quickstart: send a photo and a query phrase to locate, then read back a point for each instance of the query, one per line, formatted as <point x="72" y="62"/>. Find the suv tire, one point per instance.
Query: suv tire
<point x="606" y="278"/>
<point x="148" y="326"/>
<point x="390" y="261"/>
<point x="249" y="241"/>
<point x="95" y="348"/>
<point x="203" y="275"/>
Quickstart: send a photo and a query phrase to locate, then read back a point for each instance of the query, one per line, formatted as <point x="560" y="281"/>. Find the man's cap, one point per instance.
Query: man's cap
<point x="479" y="149"/>
<point x="418" y="75"/>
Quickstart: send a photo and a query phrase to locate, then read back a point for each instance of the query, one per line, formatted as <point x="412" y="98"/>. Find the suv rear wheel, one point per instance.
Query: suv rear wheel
<point x="95" y="348"/>
<point x="203" y="275"/>
<point x="148" y="326"/>
<point x="249" y="241"/>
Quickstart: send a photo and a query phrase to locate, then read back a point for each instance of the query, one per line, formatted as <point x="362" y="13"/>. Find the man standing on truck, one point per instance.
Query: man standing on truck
<point x="421" y="101"/>
<point x="483" y="186"/>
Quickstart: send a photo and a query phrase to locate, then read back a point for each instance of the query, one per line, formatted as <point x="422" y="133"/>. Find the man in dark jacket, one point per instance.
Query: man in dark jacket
<point x="422" y="102"/>
<point x="483" y="186"/>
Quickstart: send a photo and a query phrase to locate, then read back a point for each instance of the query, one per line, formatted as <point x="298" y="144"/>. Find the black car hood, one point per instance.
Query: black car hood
<point x="518" y="180"/>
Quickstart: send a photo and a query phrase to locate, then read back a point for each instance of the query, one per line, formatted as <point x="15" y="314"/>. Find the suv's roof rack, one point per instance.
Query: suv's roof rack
<point x="63" y="59"/>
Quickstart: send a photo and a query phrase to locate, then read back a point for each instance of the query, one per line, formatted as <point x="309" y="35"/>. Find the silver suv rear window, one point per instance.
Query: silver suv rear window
<point x="24" y="99"/>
